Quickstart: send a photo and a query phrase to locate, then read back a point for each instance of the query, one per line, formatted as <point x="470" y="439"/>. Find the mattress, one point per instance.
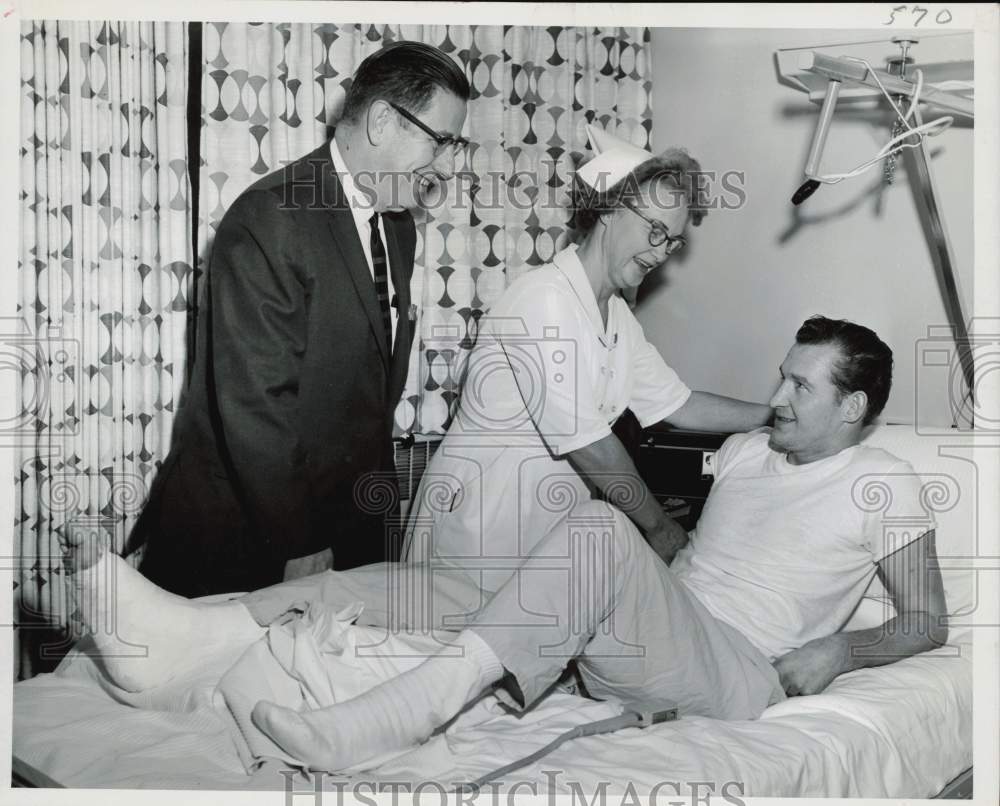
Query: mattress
<point x="903" y="730"/>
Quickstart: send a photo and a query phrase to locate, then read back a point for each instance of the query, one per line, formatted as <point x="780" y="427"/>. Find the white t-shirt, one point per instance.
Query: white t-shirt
<point x="546" y="377"/>
<point x="785" y="552"/>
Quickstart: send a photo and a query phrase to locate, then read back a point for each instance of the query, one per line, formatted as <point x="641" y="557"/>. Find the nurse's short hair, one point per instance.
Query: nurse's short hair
<point x="675" y="166"/>
<point x="865" y="363"/>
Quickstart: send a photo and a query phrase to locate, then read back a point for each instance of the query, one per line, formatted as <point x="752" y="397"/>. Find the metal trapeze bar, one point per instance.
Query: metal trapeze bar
<point x="839" y="69"/>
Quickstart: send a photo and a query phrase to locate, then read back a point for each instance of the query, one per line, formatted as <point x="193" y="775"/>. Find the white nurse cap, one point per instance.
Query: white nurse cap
<point x="615" y="158"/>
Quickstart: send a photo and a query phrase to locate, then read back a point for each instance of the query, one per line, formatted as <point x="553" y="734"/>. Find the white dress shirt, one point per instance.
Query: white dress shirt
<point x="361" y="209"/>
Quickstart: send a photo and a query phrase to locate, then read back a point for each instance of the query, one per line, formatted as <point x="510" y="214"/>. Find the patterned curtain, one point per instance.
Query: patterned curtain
<point x="104" y="275"/>
<point x="272" y="91"/>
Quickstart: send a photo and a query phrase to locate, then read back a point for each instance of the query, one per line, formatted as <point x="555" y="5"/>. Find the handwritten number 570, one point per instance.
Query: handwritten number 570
<point x="943" y="17"/>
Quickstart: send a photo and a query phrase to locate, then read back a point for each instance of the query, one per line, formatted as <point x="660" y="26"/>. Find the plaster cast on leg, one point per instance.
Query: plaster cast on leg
<point x="395" y="714"/>
<point x="145" y="635"/>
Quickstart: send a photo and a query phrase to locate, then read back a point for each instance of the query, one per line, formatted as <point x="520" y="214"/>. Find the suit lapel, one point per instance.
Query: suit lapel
<point x="347" y="243"/>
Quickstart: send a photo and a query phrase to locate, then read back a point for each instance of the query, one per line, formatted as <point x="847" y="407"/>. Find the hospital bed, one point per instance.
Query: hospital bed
<point x="903" y="730"/>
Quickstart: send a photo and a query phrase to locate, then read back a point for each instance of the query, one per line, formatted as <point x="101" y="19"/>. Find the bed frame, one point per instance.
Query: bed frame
<point x="959" y="788"/>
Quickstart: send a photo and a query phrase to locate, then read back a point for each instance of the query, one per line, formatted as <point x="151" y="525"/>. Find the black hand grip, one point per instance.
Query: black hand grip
<point x="805" y="191"/>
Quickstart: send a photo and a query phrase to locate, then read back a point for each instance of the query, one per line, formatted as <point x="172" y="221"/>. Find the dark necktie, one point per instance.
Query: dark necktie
<point x="381" y="267"/>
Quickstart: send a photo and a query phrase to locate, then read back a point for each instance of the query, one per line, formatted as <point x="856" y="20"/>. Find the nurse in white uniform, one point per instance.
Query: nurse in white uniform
<point x="558" y="359"/>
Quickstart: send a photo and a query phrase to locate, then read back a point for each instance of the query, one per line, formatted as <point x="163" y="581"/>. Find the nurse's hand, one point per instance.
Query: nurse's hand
<point x="666" y="539"/>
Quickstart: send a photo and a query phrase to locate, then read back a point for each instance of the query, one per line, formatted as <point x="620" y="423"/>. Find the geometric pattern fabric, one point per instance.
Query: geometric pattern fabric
<point x="272" y="91"/>
<point x="104" y="282"/>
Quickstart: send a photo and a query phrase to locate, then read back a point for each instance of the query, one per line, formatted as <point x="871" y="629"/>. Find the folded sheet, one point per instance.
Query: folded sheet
<point x="310" y="660"/>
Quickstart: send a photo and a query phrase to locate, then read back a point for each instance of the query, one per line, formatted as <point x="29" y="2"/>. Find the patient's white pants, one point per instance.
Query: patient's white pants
<point x="591" y="589"/>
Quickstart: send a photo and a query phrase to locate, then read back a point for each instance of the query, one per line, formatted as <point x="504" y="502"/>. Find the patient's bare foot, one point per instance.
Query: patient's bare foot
<point x="82" y="549"/>
<point x="145" y="635"/>
<point x="394" y="715"/>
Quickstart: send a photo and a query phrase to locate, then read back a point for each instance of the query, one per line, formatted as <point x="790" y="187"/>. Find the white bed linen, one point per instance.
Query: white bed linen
<point x="896" y="731"/>
<point x="903" y="730"/>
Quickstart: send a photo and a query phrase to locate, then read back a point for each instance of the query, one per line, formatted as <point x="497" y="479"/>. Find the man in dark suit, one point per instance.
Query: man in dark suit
<point x="300" y="357"/>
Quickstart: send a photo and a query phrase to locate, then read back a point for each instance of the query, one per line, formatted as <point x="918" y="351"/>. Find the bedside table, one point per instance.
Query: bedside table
<point x="677" y="467"/>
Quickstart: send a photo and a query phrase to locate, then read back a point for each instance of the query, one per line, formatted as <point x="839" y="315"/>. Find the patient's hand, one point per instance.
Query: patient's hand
<point x="813" y="666"/>
<point x="667" y="539"/>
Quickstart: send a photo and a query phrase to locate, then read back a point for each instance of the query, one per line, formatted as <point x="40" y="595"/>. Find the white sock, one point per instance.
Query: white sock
<point x="146" y="635"/>
<point x="395" y="714"/>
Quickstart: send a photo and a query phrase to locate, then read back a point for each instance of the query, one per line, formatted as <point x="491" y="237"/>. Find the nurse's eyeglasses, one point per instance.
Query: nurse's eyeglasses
<point x="442" y="142"/>
<point x="658" y="233"/>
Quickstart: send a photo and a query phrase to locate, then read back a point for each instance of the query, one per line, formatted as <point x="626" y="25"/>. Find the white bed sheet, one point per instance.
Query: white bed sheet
<point x="897" y="731"/>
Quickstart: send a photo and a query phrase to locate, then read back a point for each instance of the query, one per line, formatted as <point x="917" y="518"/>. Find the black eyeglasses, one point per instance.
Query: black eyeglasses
<point x="442" y="141"/>
<point x="658" y="233"/>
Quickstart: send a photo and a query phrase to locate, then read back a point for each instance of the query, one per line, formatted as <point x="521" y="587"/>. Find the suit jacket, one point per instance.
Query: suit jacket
<point x="291" y="396"/>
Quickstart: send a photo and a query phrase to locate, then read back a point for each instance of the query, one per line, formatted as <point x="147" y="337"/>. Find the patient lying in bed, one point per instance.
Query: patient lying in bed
<point x="750" y="610"/>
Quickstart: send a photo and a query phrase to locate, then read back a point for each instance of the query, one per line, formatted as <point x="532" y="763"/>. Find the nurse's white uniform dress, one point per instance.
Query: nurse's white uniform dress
<point x="545" y="378"/>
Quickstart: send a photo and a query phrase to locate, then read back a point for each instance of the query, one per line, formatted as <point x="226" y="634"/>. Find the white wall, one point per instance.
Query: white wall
<point x="725" y="314"/>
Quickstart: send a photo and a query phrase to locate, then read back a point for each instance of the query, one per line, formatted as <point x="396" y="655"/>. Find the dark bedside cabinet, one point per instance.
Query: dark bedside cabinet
<point x="677" y="467"/>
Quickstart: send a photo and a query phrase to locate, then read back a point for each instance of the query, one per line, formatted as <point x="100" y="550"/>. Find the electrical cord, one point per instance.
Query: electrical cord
<point x="640" y="715"/>
<point x="896" y="144"/>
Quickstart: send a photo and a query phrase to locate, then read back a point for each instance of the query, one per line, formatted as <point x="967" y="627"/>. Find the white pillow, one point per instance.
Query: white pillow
<point x="944" y="459"/>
